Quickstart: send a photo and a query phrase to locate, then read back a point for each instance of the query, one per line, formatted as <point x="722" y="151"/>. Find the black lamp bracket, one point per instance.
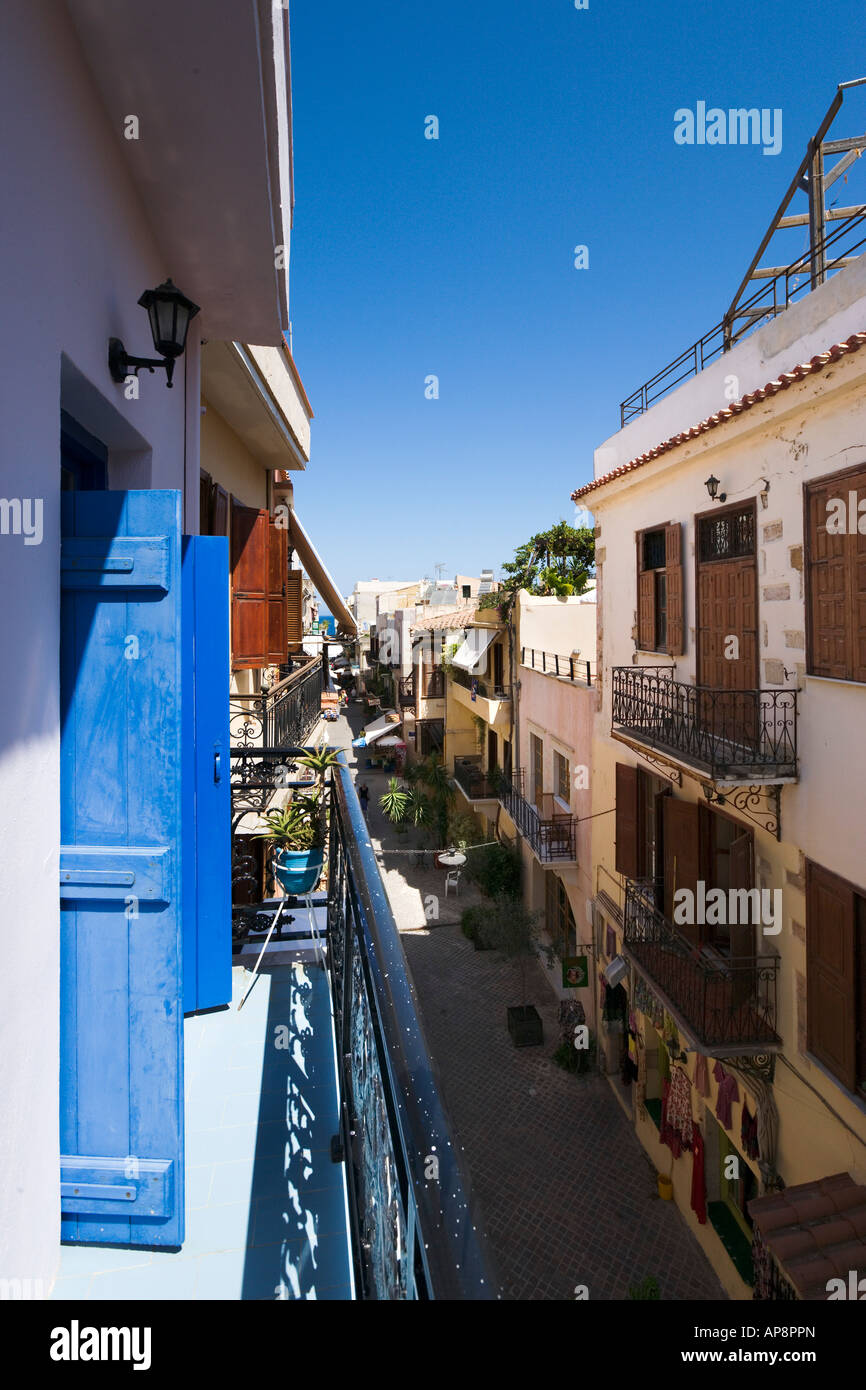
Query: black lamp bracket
<point x="121" y="365"/>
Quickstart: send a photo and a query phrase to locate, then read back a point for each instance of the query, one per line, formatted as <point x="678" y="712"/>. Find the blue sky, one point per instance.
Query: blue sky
<point x="413" y="257"/>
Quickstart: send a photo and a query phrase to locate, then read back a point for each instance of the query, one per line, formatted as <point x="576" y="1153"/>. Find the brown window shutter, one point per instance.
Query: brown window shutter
<point x="828" y="588"/>
<point x="831" y="1021"/>
<point x="220" y="516"/>
<point x="278" y="560"/>
<point x="742" y="868"/>
<point x="205" y="504"/>
<point x="681" y="857"/>
<point x="295" y="592"/>
<point x="626" y="821"/>
<point x="674" y="573"/>
<point x="858" y="599"/>
<point x="249" y="558"/>
<point x="646" y="602"/>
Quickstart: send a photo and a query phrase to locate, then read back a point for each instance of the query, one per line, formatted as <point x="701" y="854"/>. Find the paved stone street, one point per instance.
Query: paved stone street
<point x="566" y="1192"/>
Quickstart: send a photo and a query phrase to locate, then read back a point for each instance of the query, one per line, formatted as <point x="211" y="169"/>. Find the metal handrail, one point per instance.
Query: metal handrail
<point x="389" y="1072"/>
<point x="552" y="664"/>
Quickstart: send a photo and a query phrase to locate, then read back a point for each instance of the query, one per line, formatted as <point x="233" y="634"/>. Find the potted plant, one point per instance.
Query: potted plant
<point x="513" y="931"/>
<point x="298" y="830"/>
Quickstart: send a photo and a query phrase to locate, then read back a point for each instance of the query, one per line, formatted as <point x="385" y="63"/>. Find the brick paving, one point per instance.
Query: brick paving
<point x="567" y="1194"/>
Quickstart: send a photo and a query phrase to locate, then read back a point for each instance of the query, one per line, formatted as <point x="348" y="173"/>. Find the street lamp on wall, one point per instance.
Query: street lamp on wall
<point x="170" y="313"/>
<point x="712" y="486"/>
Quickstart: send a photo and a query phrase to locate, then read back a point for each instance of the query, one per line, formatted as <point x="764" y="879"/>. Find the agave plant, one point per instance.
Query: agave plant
<point x="395" y="802"/>
<point x="299" y="825"/>
<point x="320" y="760"/>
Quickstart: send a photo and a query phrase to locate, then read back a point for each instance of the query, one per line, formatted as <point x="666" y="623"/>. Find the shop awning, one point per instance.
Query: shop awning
<point x="472" y="652"/>
<point x="387" y="723"/>
<point x="315" y="568"/>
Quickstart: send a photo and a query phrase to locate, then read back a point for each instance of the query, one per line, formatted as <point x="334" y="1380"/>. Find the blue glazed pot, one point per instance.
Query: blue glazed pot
<point x="299" y="870"/>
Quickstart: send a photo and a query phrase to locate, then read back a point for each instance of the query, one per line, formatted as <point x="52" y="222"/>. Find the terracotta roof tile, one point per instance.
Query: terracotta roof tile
<point x="781" y="383"/>
<point x="816" y="1231"/>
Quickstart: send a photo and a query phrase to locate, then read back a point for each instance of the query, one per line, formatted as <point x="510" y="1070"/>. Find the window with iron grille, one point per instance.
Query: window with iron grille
<point x="654" y="550"/>
<point x="730" y="536"/>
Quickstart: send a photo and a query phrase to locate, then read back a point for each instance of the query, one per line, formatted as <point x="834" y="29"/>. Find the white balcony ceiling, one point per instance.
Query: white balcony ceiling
<point x="209" y="83"/>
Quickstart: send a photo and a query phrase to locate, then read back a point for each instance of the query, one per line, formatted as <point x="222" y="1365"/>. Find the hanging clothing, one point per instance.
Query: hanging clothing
<point x="728" y="1093"/>
<point x="699" y="1187"/>
<point x="702" y="1080"/>
<point x="646" y="1001"/>
<point x="610" y="943"/>
<point x="629" y="1067"/>
<point x="749" y="1131"/>
<point x="677" y="1128"/>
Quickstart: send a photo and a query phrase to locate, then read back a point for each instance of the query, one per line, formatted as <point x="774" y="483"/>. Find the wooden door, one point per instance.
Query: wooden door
<point x="727" y="621"/>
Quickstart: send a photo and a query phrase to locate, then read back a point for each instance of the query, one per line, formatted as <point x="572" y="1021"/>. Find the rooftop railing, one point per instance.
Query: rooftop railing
<point x="569" y="668"/>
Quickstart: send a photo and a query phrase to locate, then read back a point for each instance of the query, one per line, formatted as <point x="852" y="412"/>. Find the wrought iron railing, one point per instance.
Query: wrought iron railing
<point x="571" y="668"/>
<point x="282" y="716"/>
<point x="722" y="1001"/>
<point x="728" y="734"/>
<point x="474" y="782"/>
<point x="846" y="241"/>
<point x="550" y="833"/>
<point x="482" y="685"/>
<point x="415" y="1231"/>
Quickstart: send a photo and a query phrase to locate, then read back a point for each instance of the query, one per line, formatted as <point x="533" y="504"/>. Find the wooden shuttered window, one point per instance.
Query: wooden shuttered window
<point x="836" y="579"/>
<point x="682" y="857"/>
<point x="259" y="560"/>
<point x="675" y="597"/>
<point x="278" y="563"/>
<point x="831" y="976"/>
<point x="661" y="558"/>
<point x="295" y="609"/>
<point x="205" y="503"/>
<point x="742" y="869"/>
<point x="213" y="507"/>
<point x="626" y="821"/>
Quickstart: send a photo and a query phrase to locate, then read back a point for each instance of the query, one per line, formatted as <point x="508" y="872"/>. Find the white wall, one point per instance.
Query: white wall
<point x="557" y="625"/>
<point x="83" y="253"/>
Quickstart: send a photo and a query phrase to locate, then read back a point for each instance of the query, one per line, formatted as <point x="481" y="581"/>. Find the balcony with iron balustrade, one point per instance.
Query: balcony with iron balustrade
<point x="730" y="736"/>
<point x="550" y="832"/>
<point x="476" y="785"/>
<point x="727" y="1005"/>
<point x="482" y="696"/>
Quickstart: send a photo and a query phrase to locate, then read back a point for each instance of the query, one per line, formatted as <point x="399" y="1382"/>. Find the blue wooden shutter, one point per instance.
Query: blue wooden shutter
<point x="207" y="927"/>
<point x="121" y="1057"/>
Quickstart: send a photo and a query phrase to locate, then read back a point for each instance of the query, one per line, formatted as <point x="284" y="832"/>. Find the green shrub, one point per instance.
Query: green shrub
<point x="647" y="1289"/>
<point x="498" y="871"/>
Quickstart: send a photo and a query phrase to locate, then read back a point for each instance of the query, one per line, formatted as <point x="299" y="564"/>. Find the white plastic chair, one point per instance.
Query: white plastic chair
<point x="452" y="880"/>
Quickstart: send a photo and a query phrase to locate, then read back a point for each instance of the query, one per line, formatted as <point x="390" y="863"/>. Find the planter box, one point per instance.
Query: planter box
<point x="525" y="1026"/>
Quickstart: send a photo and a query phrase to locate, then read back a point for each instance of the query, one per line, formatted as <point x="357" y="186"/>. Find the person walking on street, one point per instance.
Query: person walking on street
<point x="364" y="796"/>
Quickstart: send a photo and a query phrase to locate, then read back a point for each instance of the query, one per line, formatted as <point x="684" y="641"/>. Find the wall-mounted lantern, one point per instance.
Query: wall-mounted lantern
<point x="170" y="313"/>
<point x="712" y="486"/>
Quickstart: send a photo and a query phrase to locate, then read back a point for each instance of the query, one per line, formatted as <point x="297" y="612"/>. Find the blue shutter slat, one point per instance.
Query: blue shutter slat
<point x="121" y="966"/>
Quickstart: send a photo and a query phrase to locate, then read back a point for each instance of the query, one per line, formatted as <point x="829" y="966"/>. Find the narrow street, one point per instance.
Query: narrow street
<point x="567" y="1194"/>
